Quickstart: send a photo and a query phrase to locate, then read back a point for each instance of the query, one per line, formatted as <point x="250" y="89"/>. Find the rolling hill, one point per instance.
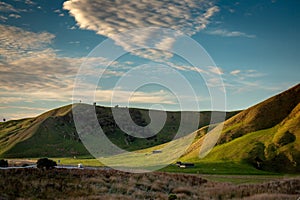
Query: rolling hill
<point x="53" y="134"/>
<point x="266" y="136"/>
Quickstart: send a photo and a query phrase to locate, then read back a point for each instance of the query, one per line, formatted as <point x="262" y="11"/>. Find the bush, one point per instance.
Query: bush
<point x="3" y="163"/>
<point x="45" y="163"/>
<point x="256" y="156"/>
<point x="172" y="197"/>
<point x="287" y="138"/>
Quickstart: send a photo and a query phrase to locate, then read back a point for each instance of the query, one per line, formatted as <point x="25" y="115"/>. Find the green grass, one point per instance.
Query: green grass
<point x="91" y="162"/>
<point x="13" y="132"/>
<point x="238" y="149"/>
<point x="217" y="168"/>
<point x="228" y="168"/>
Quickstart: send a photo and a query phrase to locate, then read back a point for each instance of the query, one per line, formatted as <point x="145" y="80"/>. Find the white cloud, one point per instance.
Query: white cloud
<point x="22" y="107"/>
<point x="72" y="27"/>
<point x="123" y="97"/>
<point x="74" y="42"/>
<point x="241" y="80"/>
<point x="58" y="11"/>
<point x="253" y="73"/>
<point x="108" y="18"/>
<point x="49" y="72"/>
<point x="235" y="72"/>
<point x="29" y="2"/>
<point x="243" y="74"/>
<point x="5" y="7"/>
<point x="215" y="70"/>
<point x="16" y="42"/>
<point x="3" y="18"/>
<point x="14" y="16"/>
<point x="226" y="33"/>
<point x="30" y="70"/>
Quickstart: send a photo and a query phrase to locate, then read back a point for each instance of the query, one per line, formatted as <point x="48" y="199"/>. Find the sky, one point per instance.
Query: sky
<point x="252" y="48"/>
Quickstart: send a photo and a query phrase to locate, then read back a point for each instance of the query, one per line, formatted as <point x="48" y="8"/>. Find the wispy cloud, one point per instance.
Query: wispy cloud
<point x="242" y="74"/>
<point x="3" y="18"/>
<point x="108" y="18"/>
<point x="235" y="72"/>
<point x="22" y="107"/>
<point x="215" y="70"/>
<point x="16" y="43"/>
<point x="59" y="12"/>
<point x="31" y="70"/>
<point x="16" y="16"/>
<point x="246" y="80"/>
<point x="29" y="2"/>
<point x="6" y="7"/>
<point x="226" y="33"/>
<point x="122" y="96"/>
<point x="20" y="112"/>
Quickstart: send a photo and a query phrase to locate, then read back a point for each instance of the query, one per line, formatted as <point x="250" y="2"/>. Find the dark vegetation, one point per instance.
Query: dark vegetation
<point x="287" y="138"/>
<point x="3" y="163"/>
<point x="109" y="184"/>
<point x="45" y="163"/>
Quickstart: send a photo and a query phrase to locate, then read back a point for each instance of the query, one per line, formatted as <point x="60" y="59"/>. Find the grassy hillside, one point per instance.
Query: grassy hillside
<point x="264" y="115"/>
<point x="266" y="136"/>
<point x="53" y="133"/>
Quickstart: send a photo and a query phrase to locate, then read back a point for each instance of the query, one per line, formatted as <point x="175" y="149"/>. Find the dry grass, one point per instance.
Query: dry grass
<point x="110" y="184"/>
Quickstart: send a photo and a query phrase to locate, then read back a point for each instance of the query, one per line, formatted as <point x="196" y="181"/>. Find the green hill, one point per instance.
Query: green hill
<point x="53" y="134"/>
<point x="266" y="136"/>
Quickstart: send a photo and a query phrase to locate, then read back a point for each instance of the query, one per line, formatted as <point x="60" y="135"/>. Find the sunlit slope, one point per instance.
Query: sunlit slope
<point x="264" y="115"/>
<point x="266" y="135"/>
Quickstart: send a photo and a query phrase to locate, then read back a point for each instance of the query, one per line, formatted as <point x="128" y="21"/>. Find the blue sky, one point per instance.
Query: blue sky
<point x="254" y="44"/>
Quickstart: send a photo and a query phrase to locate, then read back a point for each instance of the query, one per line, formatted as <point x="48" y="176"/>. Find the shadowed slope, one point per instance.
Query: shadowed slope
<point x="53" y="134"/>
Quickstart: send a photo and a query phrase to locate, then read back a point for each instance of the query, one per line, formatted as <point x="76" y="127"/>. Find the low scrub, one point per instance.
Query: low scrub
<point x="110" y="184"/>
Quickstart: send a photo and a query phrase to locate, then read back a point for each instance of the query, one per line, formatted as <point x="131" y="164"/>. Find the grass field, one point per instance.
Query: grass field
<point x="233" y="172"/>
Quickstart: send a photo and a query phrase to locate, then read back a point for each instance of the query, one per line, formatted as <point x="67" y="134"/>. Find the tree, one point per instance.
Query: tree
<point x="45" y="163"/>
<point x="3" y="163"/>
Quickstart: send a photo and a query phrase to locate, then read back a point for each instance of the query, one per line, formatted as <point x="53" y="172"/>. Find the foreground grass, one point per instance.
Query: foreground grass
<point x="110" y="184"/>
<point x="245" y="179"/>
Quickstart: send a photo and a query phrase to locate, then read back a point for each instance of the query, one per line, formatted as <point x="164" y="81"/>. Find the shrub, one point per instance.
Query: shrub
<point x="45" y="163"/>
<point x="172" y="197"/>
<point x="256" y="155"/>
<point x="3" y="163"/>
<point x="287" y="138"/>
